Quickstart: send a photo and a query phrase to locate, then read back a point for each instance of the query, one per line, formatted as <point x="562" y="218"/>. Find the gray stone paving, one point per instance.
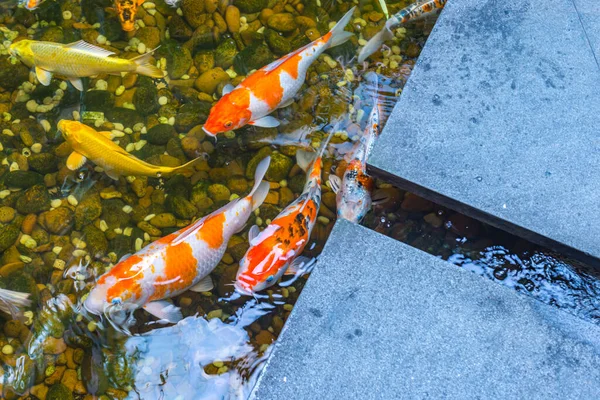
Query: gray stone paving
<point x="381" y="320"/>
<point x="501" y="120"/>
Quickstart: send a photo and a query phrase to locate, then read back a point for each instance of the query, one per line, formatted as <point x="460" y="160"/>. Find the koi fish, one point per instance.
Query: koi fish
<point x="126" y="10"/>
<point x="275" y="251"/>
<point x="271" y="87"/>
<point x="87" y="143"/>
<point x="32" y="4"/>
<point x="178" y="262"/>
<point x="77" y="60"/>
<point x="411" y="13"/>
<point x="353" y="192"/>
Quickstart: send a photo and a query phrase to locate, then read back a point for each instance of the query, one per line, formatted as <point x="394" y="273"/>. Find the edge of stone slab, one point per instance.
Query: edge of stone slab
<point x="558" y="317"/>
<point x="484" y="216"/>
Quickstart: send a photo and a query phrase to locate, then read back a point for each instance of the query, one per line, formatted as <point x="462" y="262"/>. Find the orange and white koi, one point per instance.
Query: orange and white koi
<point x="178" y="262"/>
<point x="126" y="10"/>
<point x="410" y="13"/>
<point x="353" y="192"/>
<point x="32" y="4"/>
<point x="276" y="250"/>
<point x="271" y="87"/>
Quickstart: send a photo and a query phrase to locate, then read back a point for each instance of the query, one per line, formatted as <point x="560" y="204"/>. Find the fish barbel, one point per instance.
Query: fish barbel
<point x="77" y="60"/>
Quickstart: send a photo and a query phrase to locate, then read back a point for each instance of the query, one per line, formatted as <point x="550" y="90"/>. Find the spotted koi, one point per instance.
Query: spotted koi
<point x="410" y="13"/>
<point x="175" y="263"/>
<point x="126" y="10"/>
<point x="275" y="251"/>
<point x="271" y="87"/>
<point x="353" y="191"/>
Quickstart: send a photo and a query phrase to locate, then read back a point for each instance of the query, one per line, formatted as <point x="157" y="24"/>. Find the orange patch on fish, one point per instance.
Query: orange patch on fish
<point x="211" y="231"/>
<point x="180" y="270"/>
<point x="127" y="279"/>
<point x="266" y="87"/>
<point x="363" y="179"/>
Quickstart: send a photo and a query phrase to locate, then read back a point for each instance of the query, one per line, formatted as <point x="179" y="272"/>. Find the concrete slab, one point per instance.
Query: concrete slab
<point x="589" y="13"/>
<point x="500" y="120"/>
<point x="381" y="320"/>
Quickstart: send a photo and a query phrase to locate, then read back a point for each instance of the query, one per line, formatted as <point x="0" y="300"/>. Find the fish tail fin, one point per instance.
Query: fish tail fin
<point x="304" y="158"/>
<point x="337" y="34"/>
<point x="13" y="302"/>
<point x="261" y="189"/>
<point x="375" y="43"/>
<point x="186" y="169"/>
<point x="144" y="67"/>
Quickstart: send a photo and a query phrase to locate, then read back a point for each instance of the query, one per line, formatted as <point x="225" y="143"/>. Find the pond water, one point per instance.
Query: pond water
<point x="61" y="229"/>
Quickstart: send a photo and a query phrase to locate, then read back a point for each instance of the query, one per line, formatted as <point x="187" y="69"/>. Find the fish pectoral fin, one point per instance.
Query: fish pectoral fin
<point x="227" y="89"/>
<point x="205" y="285"/>
<point x="76" y="161"/>
<point x="265" y="122"/>
<point x="298" y="266"/>
<point x="112" y="174"/>
<point x="107" y="134"/>
<point x="286" y="103"/>
<point x="334" y="182"/>
<point x="77" y="83"/>
<point x="253" y="233"/>
<point x="43" y="76"/>
<point x="165" y="311"/>
<point x="90" y="48"/>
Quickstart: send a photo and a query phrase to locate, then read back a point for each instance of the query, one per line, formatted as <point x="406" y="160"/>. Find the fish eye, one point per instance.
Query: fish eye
<point x="228" y="124"/>
<point x="270" y="279"/>
<point x="116" y="301"/>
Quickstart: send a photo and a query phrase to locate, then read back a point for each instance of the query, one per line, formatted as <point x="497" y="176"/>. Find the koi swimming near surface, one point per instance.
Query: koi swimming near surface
<point x="275" y="251"/>
<point x="271" y="87"/>
<point x="175" y="263"/>
<point x="411" y="13"/>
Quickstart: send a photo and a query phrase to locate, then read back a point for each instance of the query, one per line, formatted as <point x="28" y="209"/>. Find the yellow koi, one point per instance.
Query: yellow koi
<point x="98" y="147"/>
<point x="77" y="60"/>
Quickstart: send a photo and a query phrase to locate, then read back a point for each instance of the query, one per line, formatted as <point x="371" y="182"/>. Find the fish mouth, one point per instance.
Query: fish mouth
<point x="242" y="289"/>
<point x="209" y="133"/>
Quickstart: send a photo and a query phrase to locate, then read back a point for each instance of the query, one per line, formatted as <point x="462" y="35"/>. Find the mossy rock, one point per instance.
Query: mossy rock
<point x="279" y="168"/>
<point x="43" y="163"/>
<point x="192" y="114"/>
<point x="225" y="53"/>
<point x="193" y="12"/>
<point x="204" y="61"/>
<point x="21" y="281"/>
<point x="255" y="56"/>
<point x="8" y="236"/>
<point x="94" y="10"/>
<point x="98" y="100"/>
<point x="253" y="163"/>
<point x="97" y="244"/>
<point x="218" y="192"/>
<point x="12" y="75"/>
<point x="34" y="200"/>
<point x="202" y="38"/>
<point x="145" y="99"/>
<point x="296" y="183"/>
<point x="178" y="185"/>
<point x="160" y="134"/>
<point x="251" y="6"/>
<point x="88" y="209"/>
<point x="124" y="116"/>
<point x="58" y="391"/>
<point x="52" y="34"/>
<point x="277" y="43"/>
<point x="181" y="207"/>
<point x="113" y="214"/>
<point x="23" y="179"/>
<point x="58" y="221"/>
<point x="49" y="11"/>
<point x="111" y="29"/>
<point x="179" y="29"/>
<point x="282" y="22"/>
<point x="179" y="58"/>
<point x="199" y="191"/>
<point x="149" y="35"/>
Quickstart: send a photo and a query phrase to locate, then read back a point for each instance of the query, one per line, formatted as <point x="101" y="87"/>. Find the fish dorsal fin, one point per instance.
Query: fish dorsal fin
<point x="227" y="89"/>
<point x="112" y="174"/>
<point x="125" y="257"/>
<point x="76" y="161"/>
<point x="106" y="134"/>
<point x="304" y="159"/>
<point x="43" y="76"/>
<point x="90" y="48"/>
<point x="277" y="63"/>
<point x="205" y="285"/>
<point x="297" y="266"/>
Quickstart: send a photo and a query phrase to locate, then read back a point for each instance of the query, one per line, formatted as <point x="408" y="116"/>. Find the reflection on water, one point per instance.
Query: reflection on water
<point x="490" y="252"/>
<point x="172" y="360"/>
